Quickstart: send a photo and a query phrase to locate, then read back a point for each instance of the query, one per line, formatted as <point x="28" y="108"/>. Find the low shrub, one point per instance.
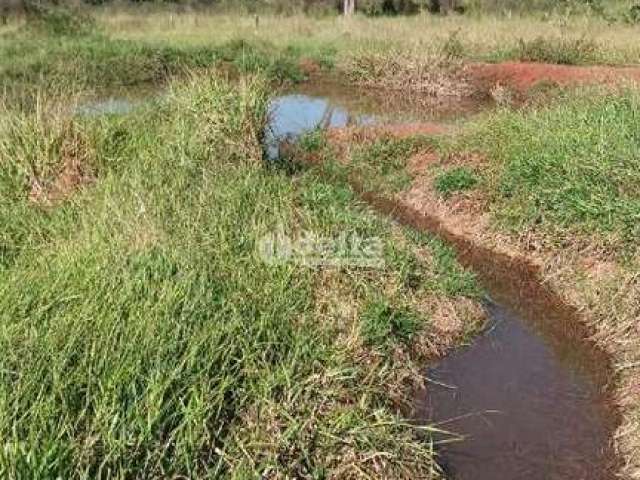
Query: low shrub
<point x="565" y="51"/>
<point x="58" y="20"/>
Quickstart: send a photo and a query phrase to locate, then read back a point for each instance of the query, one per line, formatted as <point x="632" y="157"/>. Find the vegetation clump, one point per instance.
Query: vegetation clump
<point x="562" y="51"/>
<point x="455" y="180"/>
<point x="58" y="20"/>
<point x="434" y="75"/>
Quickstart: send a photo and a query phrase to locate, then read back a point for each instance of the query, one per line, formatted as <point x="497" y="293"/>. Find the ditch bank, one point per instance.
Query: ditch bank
<point x="534" y="396"/>
<point x="579" y="429"/>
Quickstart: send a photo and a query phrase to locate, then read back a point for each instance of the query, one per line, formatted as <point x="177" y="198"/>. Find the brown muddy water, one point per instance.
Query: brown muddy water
<point x="526" y="409"/>
<point x="530" y="397"/>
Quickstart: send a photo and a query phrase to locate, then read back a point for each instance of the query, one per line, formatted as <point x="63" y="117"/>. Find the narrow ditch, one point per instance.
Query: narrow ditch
<point x="532" y="396"/>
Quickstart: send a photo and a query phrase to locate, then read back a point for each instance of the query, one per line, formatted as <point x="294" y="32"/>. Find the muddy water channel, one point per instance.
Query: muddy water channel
<point x="527" y="405"/>
<point x="529" y="398"/>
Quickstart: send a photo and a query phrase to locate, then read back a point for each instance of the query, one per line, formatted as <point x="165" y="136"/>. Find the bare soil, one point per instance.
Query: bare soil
<point x="522" y="76"/>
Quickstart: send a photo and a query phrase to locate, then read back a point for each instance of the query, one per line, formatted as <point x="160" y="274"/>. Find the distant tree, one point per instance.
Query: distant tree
<point x="349" y="7"/>
<point x="445" y="6"/>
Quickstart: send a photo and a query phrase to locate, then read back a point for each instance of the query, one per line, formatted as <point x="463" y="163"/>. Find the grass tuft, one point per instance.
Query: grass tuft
<point x="563" y="51"/>
<point x="455" y="180"/>
<point x="383" y="325"/>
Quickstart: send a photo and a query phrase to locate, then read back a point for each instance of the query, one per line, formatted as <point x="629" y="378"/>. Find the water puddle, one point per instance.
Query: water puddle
<point x="530" y="397"/>
<point x="117" y="101"/>
<point x="107" y="106"/>
<point x="328" y="104"/>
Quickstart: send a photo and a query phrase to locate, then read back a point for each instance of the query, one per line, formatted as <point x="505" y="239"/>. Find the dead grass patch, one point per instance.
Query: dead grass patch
<point x="75" y="172"/>
<point x="434" y="75"/>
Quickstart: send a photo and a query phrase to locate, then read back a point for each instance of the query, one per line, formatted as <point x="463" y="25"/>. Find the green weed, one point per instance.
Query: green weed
<point x="567" y="166"/>
<point x="455" y="180"/>
<point x="445" y="276"/>
<point x="313" y="141"/>
<point x="383" y="325"/>
<point x="565" y="51"/>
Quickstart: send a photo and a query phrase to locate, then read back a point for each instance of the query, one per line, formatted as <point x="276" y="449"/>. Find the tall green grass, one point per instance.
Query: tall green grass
<point x="142" y="335"/>
<point x="571" y="166"/>
<point x="45" y="57"/>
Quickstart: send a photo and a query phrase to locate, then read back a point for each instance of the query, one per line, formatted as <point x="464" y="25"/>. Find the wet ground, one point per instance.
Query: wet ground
<point x="530" y="395"/>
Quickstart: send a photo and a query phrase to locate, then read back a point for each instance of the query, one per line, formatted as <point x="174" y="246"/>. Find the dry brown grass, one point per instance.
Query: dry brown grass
<point x="402" y="70"/>
<point x="425" y="33"/>
<point x="72" y="174"/>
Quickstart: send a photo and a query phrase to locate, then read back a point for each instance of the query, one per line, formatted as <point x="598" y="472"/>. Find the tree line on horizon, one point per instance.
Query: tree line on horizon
<point x="366" y="6"/>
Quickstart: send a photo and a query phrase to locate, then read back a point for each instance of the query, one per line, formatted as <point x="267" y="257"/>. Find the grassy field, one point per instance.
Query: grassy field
<point x="583" y="174"/>
<point x="581" y="39"/>
<point x="129" y="45"/>
<point x="146" y="334"/>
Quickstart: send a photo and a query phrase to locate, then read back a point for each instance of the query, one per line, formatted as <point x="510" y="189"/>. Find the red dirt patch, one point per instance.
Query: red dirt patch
<point x="522" y="76"/>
